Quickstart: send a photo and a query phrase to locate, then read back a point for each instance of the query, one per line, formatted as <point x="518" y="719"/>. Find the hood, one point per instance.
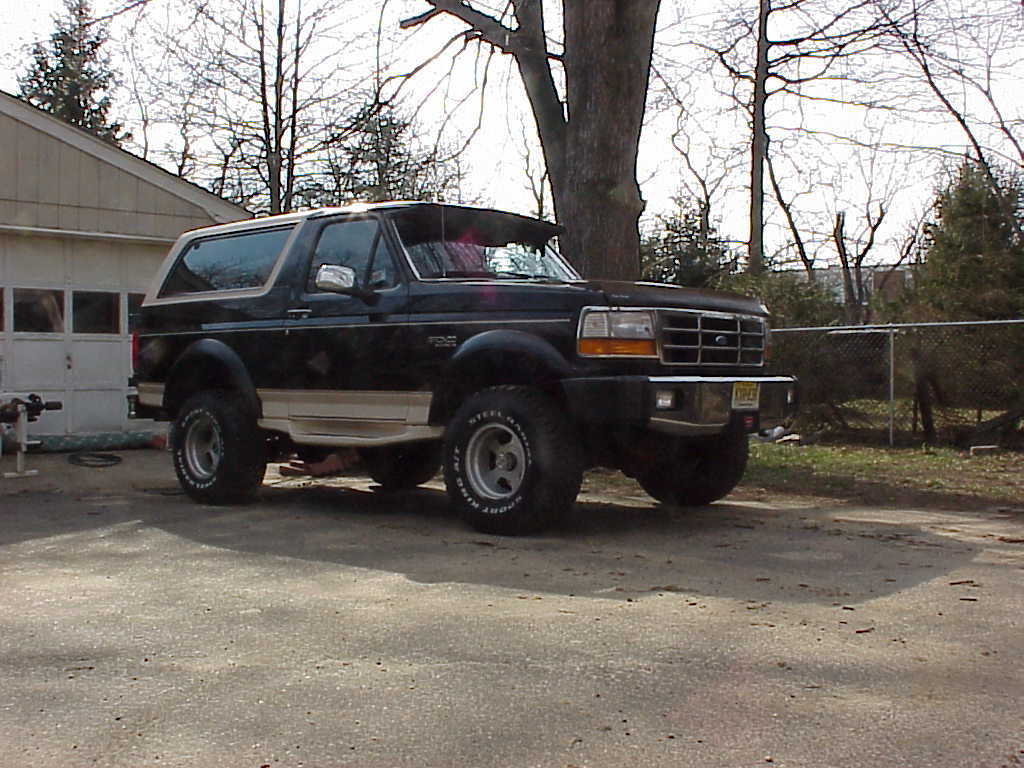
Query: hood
<point x="624" y="294"/>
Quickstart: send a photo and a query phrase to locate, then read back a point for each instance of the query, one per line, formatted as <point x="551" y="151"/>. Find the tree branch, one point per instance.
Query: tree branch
<point x="486" y="27"/>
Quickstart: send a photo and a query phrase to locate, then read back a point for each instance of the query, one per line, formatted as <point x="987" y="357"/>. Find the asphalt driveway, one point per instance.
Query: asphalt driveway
<point x="333" y="625"/>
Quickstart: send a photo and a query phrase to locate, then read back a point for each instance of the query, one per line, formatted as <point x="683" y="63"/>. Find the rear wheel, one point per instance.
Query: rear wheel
<point x="402" y="466"/>
<point x="698" y="473"/>
<point x="219" y="451"/>
<point x="512" y="463"/>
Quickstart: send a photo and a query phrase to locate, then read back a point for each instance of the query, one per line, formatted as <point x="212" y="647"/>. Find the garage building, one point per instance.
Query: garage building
<point x="83" y="227"/>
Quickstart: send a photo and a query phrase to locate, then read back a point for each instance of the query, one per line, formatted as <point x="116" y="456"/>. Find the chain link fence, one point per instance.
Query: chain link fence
<point x="952" y="383"/>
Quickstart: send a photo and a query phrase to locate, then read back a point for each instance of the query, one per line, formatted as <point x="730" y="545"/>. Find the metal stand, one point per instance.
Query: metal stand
<point x="21" y="435"/>
<point x="19" y="413"/>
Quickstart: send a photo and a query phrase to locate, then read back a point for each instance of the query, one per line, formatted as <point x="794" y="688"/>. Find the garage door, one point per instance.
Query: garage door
<point x="70" y="345"/>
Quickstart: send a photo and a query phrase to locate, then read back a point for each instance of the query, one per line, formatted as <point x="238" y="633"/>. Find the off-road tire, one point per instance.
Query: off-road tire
<point x="698" y="472"/>
<point x="402" y="466"/>
<point x="219" y="452"/>
<point x="512" y="462"/>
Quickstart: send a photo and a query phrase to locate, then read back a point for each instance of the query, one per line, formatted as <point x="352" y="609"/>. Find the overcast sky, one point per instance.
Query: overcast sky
<point x="496" y="174"/>
<point x="22" y="24"/>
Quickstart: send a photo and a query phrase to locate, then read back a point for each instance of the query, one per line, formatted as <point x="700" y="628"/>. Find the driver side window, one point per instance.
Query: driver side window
<point x="355" y="244"/>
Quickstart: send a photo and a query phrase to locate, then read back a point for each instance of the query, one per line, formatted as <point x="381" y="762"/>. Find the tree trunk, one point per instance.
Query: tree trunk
<point x="590" y="143"/>
<point x="794" y="230"/>
<point x="851" y="294"/>
<point x="758" y="144"/>
<point x="608" y="45"/>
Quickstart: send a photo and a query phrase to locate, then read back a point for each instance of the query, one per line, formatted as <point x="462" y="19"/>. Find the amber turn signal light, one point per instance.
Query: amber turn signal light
<point x="598" y="347"/>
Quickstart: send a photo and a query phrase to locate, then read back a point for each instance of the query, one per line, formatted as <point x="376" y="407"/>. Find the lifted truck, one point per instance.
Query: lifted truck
<point x="428" y="335"/>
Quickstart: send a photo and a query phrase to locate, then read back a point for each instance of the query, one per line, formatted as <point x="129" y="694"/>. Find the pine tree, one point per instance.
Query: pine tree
<point x="974" y="261"/>
<point x="684" y="249"/>
<point x="70" y="77"/>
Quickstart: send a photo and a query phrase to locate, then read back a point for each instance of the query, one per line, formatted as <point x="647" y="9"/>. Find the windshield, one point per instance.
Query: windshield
<point x="466" y="243"/>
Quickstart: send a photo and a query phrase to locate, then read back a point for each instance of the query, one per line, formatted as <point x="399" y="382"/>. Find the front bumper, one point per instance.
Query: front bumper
<point x="682" y="405"/>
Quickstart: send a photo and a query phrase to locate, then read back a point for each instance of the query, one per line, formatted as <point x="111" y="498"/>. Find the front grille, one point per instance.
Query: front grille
<point x="710" y="339"/>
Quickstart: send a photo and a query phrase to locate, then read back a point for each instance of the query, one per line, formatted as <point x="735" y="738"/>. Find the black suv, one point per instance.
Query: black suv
<point x="429" y="335"/>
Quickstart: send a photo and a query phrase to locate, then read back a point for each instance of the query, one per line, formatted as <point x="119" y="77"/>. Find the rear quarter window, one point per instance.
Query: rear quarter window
<point x="226" y="263"/>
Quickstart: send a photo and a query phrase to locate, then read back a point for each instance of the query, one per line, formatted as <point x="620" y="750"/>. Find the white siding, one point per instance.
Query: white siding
<point x="57" y="178"/>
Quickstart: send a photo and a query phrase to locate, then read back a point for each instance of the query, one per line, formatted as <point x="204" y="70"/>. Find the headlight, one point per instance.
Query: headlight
<point x="613" y="333"/>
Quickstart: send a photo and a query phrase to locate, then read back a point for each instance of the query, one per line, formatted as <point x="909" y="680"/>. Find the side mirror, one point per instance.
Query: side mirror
<point x="330" y="277"/>
<point x="337" y="279"/>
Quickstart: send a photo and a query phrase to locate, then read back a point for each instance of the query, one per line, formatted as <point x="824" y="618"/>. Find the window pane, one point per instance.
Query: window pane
<point x="354" y="244"/>
<point x="38" y="310"/>
<point x="227" y="263"/>
<point x="95" y="312"/>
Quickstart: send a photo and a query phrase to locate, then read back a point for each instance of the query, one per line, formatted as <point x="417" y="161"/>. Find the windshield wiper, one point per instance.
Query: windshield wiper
<point x="466" y="273"/>
<point x="526" y="276"/>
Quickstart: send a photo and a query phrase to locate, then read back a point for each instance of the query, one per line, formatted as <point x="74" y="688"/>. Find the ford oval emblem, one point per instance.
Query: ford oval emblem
<point x="721" y="340"/>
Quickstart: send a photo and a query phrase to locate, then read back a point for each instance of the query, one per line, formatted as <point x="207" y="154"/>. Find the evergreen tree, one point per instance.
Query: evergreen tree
<point x="69" y="76"/>
<point x="974" y="261"/>
<point x="684" y="248"/>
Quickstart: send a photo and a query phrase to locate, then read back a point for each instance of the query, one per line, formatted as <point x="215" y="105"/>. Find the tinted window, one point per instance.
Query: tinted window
<point x="38" y="310"/>
<point x="226" y="263"/>
<point x="95" y="312"/>
<point x="453" y="242"/>
<point x="356" y="244"/>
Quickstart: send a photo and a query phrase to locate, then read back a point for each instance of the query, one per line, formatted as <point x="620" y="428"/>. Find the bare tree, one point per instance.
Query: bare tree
<point x="379" y="155"/>
<point x="819" y="38"/>
<point x="851" y="261"/>
<point x="536" y="176"/>
<point x="709" y="159"/>
<point x="787" y="207"/>
<point x="253" y="89"/>
<point x="591" y="158"/>
<point x="909" y="252"/>
<point x="968" y="59"/>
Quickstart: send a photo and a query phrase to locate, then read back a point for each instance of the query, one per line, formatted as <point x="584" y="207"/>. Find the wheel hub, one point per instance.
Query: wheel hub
<point x="203" y="448"/>
<point x="505" y="461"/>
<point x="495" y="462"/>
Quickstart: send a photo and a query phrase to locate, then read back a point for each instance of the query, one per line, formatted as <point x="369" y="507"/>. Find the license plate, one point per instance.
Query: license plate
<point x="745" y="395"/>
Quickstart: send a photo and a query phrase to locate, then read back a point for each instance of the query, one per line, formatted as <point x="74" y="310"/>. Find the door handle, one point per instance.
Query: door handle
<point x="299" y="314"/>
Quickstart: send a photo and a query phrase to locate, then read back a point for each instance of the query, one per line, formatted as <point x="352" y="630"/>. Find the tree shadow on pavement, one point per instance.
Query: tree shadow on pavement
<point x="624" y="548"/>
<point x="608" y="549"/>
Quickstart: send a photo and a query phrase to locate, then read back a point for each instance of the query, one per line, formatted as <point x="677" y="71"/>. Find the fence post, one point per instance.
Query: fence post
<point x="892" y="386"/>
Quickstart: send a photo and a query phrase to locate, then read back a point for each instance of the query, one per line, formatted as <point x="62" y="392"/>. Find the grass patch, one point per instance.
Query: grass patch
<point x="942" y="477"/>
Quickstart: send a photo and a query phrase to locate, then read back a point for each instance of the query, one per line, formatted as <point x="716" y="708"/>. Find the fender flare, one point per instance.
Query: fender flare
<point x="496" y="357"/>
<point x="209" y="364"/>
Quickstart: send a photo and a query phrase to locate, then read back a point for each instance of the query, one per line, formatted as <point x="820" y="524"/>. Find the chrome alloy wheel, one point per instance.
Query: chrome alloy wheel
<point x="204" y="447"/>
<point x="495" y="462"/>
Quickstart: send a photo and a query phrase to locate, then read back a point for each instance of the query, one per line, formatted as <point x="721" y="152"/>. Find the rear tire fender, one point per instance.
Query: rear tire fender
<point x="209" y="364"/>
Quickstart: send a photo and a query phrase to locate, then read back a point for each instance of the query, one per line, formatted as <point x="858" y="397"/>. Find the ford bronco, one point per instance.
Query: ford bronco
<point x="428" y="336"/>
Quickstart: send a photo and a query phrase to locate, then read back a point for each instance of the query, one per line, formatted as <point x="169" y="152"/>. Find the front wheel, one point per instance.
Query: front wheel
<point x="700" y="472"/>
<point x="219" y="452"/>
<point x="512" y="465"/>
